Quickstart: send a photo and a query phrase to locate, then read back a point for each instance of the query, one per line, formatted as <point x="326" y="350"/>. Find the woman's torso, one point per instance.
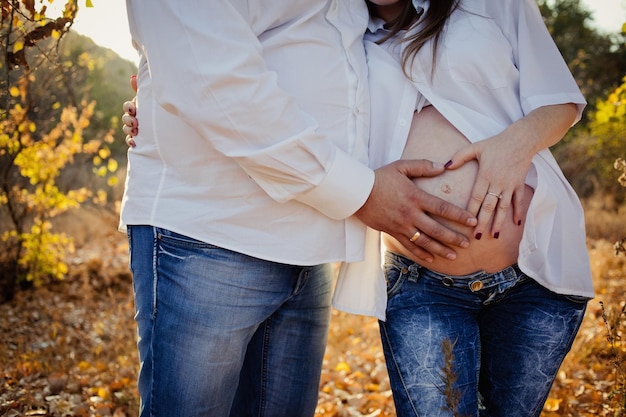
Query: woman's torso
<point x="432" y="137"/>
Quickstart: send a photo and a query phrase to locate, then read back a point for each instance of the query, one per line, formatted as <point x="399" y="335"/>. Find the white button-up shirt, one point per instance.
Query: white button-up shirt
<point x="496" y="63"/>
<point x="254" y="123"/>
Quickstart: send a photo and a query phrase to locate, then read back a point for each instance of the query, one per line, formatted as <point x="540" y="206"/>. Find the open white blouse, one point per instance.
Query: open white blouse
<point x="496" y="63"/>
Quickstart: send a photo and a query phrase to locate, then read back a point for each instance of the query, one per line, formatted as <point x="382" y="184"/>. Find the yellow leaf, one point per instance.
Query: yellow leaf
<point x="112" y="165"/>
<point x="88" y="3"/>
<point x="19" y="45"/>
<point x="372" y="387"/>
<point x="14" y="91"/>
<point x="104" y="153"/>
<point x="342" y="366"/>
<point x="553" y="404"/>
<point x="104" y="393"/>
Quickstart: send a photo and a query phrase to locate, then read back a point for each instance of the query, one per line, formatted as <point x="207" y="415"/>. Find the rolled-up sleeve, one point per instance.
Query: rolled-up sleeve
<point x="545" y="78"/>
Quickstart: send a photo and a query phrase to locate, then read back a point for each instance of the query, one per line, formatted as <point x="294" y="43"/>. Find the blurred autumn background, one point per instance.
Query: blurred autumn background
<point x="67" y="341"/>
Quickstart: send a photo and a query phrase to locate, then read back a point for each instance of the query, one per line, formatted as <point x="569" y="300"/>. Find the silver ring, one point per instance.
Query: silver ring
<point x="415" y="236"/>
<point x="498" y="196"/>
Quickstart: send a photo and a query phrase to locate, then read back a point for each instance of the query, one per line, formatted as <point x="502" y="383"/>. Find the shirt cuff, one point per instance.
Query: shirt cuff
<point x="344" y="190"/>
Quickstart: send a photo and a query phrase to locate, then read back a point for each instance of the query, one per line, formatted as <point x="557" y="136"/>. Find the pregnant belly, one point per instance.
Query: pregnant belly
<point x="432" y="137"/>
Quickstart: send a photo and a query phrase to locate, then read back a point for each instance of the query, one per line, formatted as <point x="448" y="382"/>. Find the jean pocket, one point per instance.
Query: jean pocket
<point x="181" y="241"/>
<point x="578" y="299"/>
<point x="395" y="277"/>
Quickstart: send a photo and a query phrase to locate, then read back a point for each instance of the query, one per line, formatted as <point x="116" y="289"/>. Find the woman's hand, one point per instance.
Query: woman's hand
<point x="504" y="161"/>
<point x="130" y="124"/>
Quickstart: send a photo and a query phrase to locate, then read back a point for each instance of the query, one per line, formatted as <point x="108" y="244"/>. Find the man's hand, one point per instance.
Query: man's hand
<point x="397" y="207"/>
<point x="129" y="118"/>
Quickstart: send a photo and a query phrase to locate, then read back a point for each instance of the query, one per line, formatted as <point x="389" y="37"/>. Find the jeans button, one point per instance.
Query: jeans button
<point x="476" y="286"/>
<point x="447" y="281"/>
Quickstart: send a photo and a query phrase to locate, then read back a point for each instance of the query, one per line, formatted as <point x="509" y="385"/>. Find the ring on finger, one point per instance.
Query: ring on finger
<point x="415" y="236"/>
<point x="498" y="196"/>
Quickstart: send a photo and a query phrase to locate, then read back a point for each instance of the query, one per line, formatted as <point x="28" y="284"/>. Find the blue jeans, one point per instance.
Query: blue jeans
<point x="224" y="334"/>
<point x="509" y="336"/>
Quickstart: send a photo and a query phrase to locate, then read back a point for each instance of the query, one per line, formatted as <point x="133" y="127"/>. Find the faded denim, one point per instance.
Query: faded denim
<point x="510" y="337"/>
<point x="224" y="334"/>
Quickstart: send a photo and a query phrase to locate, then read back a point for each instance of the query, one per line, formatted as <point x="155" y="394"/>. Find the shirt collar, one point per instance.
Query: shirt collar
<point x="375" y="23"/>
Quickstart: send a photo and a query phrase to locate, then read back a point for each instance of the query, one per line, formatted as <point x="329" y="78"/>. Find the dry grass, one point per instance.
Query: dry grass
<point x="604" y="219"/>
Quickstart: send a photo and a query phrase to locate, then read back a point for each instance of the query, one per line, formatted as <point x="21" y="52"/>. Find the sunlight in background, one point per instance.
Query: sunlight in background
<point x="106" y="23"/>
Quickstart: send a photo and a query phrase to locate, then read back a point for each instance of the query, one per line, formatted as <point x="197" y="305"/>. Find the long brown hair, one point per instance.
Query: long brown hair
<point x="433" y="23"/>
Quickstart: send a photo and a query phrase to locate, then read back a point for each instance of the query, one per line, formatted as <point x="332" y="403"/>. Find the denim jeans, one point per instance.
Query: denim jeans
<point x="225" y="334"/>
<point x="509" y="336"/>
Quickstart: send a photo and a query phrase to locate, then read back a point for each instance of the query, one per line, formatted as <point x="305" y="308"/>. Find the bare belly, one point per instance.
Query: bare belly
<point x="433" y="137"/>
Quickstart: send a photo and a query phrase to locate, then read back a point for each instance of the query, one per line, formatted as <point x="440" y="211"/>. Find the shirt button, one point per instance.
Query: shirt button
<point x="476" y="286"/>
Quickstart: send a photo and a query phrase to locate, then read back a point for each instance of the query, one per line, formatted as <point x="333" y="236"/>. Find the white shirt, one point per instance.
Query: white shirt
<point x="254" y="123"/>
<point x="497" y="63"/>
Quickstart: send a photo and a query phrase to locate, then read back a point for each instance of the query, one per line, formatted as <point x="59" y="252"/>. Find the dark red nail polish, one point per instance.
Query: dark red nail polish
<point x="519" y="222"/>
<point x="478" y="235"/>
<point x="496" y="235"/>
<point x="447" y="164"/>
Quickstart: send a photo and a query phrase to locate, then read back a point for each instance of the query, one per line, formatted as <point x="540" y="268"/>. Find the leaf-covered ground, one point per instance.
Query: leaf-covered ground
<point x="68" y="349"/>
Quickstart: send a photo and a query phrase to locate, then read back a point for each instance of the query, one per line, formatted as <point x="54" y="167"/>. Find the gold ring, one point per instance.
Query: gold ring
<point x="415" y="236"/>
<point x="498" y="196"/>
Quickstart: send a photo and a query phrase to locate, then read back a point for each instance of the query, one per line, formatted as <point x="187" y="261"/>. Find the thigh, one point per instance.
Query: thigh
<point x="525" y="337"/>
<point x="284" y="359"/>
<point x="431" y="345"/>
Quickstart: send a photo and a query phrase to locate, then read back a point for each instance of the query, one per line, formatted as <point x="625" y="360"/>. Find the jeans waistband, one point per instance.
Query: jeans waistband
<point x="475" y="282"/>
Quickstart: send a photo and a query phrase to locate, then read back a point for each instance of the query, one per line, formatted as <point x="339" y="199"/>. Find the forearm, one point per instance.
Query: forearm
<point x="544" y="126"/>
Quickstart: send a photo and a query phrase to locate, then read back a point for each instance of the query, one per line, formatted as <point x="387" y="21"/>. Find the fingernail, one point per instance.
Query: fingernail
<point x="437" y="165"/>
<point x="478" y="235"/>
<point x="519" y="222"/>
<point x="451" y="256"/>
<point x="447" y="164"/>
<point x="465" y="244"/>
<point x="496" y="235"/>
<point x="132" y="77"/>
<point x="135" y="131"/>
